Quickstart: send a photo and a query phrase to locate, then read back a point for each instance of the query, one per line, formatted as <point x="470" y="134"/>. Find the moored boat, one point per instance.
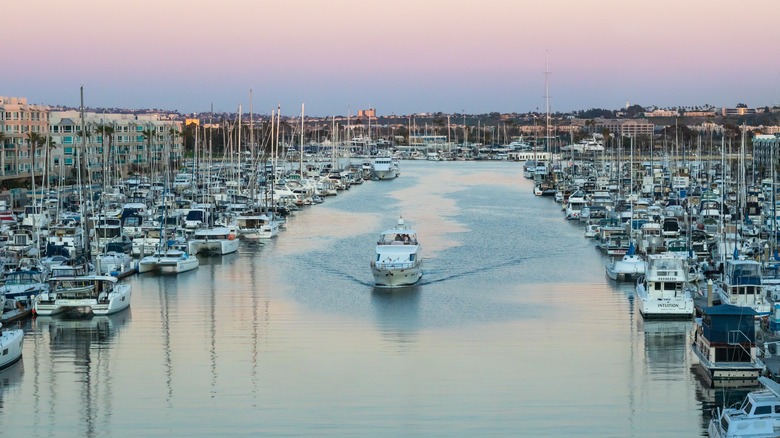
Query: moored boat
<point x="724" y="341"/>
<point x="11" y="343"/>
<point x="174" y="260"/>
<point x="99" y="294"/>
<point x="664" y="290"/>
<point x="628" y="268"/>
<point x="217" y="240"/>
<point x="757" y="416"/>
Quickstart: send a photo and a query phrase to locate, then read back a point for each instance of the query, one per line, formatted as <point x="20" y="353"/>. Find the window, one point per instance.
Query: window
<point x="763" y="410"/>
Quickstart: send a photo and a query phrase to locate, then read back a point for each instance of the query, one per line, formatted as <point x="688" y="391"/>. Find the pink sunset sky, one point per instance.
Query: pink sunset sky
<point x="400" y="56"/>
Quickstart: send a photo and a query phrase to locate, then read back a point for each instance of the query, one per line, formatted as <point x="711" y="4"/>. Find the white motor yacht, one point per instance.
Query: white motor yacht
<point x="397" y="260"/>
<point x="757" y="416"/>
<point x="664" y="290"/>
<point x="385" y="168"/>
<point x="742" y="285"/>
<point x="100" y="294"/>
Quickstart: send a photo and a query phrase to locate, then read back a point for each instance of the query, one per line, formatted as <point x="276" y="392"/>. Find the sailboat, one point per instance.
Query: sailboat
<point x="544" y="182"/>
<point x="96" y="294"/>
<point x="174" y="259"/>
<point x="629" y="268"/>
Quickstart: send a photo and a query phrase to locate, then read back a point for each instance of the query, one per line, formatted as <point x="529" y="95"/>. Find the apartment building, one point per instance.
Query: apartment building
<point x="18" y="120"/>
<point x="766" y="148"/>
<point x="114" y="144"/>
<point x="627" y="127"/>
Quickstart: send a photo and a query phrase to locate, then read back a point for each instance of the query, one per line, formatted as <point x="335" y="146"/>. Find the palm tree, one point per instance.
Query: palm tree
<point x="47" y="154"/>
<point x="105" y="130"/>
<point x="149" y="136"/>
<point x="83" y="136"/>
<point x="605" y="134"/>
<point x="188" y="133"/>
<point x="589" y="125"/>
<point x="174" y="134"/>
<point x="34" y="140"/>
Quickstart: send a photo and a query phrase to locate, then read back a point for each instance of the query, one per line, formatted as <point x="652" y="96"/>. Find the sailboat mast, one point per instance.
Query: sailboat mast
<point x="238" y="147"/>
<point x="252" y="150"/>
<point x="80" y="182"/>
<point x="278" y="127"/>
<point x="333" y="142"/>
<point x="547" y="107"/>
<point x="301" y="155"/>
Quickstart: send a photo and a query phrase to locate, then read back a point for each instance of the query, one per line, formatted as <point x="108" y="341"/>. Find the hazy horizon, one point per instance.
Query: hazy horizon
<point x="401" y="57"/>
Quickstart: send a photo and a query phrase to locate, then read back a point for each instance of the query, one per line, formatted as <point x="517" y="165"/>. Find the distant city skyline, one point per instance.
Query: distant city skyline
<point x="401" y="57"/>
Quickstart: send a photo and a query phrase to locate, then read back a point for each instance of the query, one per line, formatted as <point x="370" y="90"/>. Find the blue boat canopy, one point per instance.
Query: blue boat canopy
<point x="729" y="309"/>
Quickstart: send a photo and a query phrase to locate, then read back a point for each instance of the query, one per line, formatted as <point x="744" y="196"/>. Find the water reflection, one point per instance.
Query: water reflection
<point x="397" y="312"/>
<point x="10" y="378"/>
<point x="711" y="397"/>
<point x="625" y="288"/>
<point x="666" y="347"/>
<point x="81" y="332"/>
<point x="80" y="344"/>
<point x="167" y="290"/>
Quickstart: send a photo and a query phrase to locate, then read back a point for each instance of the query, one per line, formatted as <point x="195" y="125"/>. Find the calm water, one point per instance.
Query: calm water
<point x="514" y="330"/>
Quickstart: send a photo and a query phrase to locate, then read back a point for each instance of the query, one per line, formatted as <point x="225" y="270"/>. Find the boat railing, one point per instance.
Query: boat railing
<point x="393" y="265"/>
<point x="738" y="337"/>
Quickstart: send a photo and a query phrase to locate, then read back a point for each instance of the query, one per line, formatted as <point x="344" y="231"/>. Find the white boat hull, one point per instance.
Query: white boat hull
<point x="386" y="174"/>
<point x="167" y="265"/>
<point x="117" y="300"/>
<point x="391" y="277"/>
<point x="673" y="307"/>
<point x="217" y="246"/>
<point x="628" y="269"/>
<point x="13" y="341"/>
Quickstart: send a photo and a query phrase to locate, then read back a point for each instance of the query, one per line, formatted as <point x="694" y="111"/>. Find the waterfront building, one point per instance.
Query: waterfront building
<point x="765" y="148"/>
<point x="18" y="120"/>
<point x="627" y="127"/>
<point x="116" y="144"/>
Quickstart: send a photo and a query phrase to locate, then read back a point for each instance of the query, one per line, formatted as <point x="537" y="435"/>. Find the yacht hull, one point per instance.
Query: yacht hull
<point x="658" y="307"/>
<point x="175" y="266"/>
<point x="217" y="247"/>
<point x="396" y="277"/>
<point x="12" y="341"/>
<point x="117" y="301"/>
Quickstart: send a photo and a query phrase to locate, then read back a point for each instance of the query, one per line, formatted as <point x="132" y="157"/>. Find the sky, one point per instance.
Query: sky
<point x="400" y="56"/>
